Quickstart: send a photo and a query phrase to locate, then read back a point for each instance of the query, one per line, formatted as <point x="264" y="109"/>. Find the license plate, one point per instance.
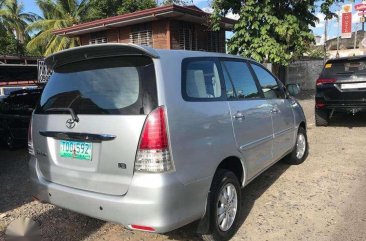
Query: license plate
<point x="354" y="86"/>
<point x="76" y="149"/>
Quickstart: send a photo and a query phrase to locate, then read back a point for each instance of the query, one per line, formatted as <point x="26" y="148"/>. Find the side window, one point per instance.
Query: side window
<point x="201" y="79"/>
<point x="271" y="88"/>
<point x="239" y="75"/>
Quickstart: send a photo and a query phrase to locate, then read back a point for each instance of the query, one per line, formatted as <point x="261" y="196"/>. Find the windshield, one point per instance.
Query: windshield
<point x="115" y="85"/>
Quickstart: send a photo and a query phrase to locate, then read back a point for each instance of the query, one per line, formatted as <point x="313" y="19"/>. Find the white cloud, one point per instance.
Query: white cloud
<point x="207" y="9"/>
<point x="228" y="15"/>
<point x="232" y="15"/>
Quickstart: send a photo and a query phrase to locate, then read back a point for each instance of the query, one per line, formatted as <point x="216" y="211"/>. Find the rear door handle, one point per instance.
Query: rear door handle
<point x="239" y="115"/>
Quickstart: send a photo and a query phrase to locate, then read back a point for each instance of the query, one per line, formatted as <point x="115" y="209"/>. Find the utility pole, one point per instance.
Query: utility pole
<point x="325" y="39"/>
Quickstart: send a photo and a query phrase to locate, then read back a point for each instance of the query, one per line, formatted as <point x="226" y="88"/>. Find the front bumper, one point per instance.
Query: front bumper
<point x="159" y="201"/>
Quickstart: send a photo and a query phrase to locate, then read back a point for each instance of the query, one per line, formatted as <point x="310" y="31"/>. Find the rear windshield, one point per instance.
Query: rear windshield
<point x="115" y="85"/>
<point x="344" y="67"/>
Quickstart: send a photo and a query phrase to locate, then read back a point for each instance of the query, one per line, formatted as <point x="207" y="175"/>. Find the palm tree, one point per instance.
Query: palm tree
<point x="14" y="19"/>
<point x="57" y="14"/>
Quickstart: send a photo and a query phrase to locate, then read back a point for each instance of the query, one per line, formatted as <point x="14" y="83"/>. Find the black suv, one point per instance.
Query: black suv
<point x="341" y="87"/>
<point x="15" y="112"/>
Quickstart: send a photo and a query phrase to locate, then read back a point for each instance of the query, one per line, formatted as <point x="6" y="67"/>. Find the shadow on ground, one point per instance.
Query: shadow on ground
<point x="60" y="224"/>
<point x="14" y="181"/>
<point x="348" y="120"/>
<point x="250" y="194"/>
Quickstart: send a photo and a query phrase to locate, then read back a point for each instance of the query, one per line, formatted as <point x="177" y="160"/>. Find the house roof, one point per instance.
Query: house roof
<point x="184" y="13"/>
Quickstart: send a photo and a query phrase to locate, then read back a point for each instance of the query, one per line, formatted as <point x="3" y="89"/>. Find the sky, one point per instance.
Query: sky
<point x="333" y="27"/>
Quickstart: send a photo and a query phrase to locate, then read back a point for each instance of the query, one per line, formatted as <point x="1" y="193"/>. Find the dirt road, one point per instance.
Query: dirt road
<point x="322" y="199"/>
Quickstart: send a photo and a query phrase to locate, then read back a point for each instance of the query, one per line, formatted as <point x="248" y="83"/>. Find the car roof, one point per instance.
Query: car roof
<point x="346" y="58"/>
<point x="118" y="49"/>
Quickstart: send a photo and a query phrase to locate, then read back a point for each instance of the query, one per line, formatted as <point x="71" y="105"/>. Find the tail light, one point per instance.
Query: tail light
<point x="319" y="104"/>
<point x="30" y="138"/>
<point x="322" y="81"/>
<point x="153" y="154"/>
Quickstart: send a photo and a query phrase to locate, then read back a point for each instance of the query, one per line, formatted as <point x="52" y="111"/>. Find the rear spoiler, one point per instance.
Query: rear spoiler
<point x="97" y="51"/>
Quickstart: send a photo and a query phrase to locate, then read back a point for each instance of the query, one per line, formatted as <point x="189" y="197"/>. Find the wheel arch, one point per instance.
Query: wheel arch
<point x="237" y="166"/>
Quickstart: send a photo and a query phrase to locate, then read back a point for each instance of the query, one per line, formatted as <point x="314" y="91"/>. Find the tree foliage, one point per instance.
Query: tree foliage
<point x="8" y="44"/>
<point x="106" y="8"/>
<point x="57" y="14"/>
<point x="276" y="31"/>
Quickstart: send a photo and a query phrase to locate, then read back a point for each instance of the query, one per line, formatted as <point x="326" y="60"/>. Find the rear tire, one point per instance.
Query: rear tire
<point x="301" y="149"/>
<point x="224" y="206"/>
<point x="321" y="117"/>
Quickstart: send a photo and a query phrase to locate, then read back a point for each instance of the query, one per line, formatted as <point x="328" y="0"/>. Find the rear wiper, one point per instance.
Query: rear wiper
<point x="70" y="110"/>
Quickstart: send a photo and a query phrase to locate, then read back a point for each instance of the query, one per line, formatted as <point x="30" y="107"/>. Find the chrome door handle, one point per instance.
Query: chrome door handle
<point x="239" y="116"/>
<point x="275" y="110"/>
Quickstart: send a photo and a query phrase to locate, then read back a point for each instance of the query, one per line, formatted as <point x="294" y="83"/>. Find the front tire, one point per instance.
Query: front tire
<point x="301" y="149"/>
<point x="224" y="206"/>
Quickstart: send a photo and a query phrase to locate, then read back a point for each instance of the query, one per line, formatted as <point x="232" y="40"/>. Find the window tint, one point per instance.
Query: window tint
<point x="271" y="88"/>
<point x="202" y="79"/>
<point x="123" y="85"/>
<point x="242" y="79"/>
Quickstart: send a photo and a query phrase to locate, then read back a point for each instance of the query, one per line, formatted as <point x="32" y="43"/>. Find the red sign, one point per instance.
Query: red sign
<point x="346" y="25"/>
<point x="360" y="7"/>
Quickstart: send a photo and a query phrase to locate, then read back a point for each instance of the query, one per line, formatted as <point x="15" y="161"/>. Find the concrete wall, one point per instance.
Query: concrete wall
<point x="304" y="73"/>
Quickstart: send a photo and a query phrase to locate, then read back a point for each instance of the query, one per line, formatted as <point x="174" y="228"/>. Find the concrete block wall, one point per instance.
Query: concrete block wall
<point x="305" y="73"/>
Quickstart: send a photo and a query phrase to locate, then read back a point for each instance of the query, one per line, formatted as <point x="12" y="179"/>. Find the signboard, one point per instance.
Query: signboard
<point x="43" y="72"/>
<point x="346" y="21"/>
<point x="360" y="7"/>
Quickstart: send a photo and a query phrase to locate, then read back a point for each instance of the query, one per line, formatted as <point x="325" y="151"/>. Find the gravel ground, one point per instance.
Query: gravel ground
<point x="322" y="199"/>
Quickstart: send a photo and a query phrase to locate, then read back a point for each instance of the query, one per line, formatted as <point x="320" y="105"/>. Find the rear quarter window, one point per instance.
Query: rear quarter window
<point x="201" y="80"/>
<point x="116" y="85"/>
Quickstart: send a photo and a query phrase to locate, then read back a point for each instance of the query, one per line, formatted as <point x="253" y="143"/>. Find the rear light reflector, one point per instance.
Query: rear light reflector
<point x="322" y="81"/>
<point x="142" y="228"/>
<point x="319" y="104"/>
<point x="153" y="154"/>
<point x="30" y="138"/>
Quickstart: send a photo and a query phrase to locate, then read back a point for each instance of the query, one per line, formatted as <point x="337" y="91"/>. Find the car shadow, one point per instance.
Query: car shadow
<point x="14" y="178"/>
<point x="250" y="194"/>
<point x="348" y="120"/>
<point x="61" y="224"/>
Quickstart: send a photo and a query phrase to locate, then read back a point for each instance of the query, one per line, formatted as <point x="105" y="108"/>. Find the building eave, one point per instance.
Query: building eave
<point x="172" y="11"/>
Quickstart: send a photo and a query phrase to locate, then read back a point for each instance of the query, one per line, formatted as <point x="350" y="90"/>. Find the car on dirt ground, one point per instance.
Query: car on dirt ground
<point x="341" y="87"/>
<point x="156" y="139"/>
<point x="15" y="113"/>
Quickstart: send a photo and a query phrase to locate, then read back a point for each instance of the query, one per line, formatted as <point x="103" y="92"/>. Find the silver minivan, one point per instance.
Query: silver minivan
<point x="156" y="139"/>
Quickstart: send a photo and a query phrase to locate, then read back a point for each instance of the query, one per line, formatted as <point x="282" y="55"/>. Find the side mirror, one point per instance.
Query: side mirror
<point x="293" y="89"/>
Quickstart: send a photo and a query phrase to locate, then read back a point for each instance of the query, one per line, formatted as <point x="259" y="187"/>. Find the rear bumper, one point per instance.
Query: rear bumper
<point x="159" y="201"/>
<point x="342" y="105"/>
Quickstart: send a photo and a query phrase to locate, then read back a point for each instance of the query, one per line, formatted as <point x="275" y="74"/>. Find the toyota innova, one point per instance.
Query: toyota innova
<point x="156" y="139"/>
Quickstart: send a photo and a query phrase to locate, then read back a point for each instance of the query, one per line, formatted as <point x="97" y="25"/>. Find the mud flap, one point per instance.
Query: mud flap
<point x="204" y="224"/>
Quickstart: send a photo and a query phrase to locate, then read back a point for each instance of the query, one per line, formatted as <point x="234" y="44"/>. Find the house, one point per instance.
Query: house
<point x="165" y="27"/>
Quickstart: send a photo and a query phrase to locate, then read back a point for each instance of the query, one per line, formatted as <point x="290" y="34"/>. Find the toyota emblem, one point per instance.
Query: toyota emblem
<point x="70" y="123"/>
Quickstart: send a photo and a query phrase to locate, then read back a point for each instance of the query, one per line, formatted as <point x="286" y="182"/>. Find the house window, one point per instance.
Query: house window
<point x="215" y="41"/>
<point x="187" y="37"/>
<point x="141" y="34"/>
<point x="98" y="38"/>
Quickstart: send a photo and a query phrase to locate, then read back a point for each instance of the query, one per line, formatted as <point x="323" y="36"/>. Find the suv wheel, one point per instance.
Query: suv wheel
<point x="321" y="117"/>
<point x="224" y="206"/>
<point x="301" y="149"/>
